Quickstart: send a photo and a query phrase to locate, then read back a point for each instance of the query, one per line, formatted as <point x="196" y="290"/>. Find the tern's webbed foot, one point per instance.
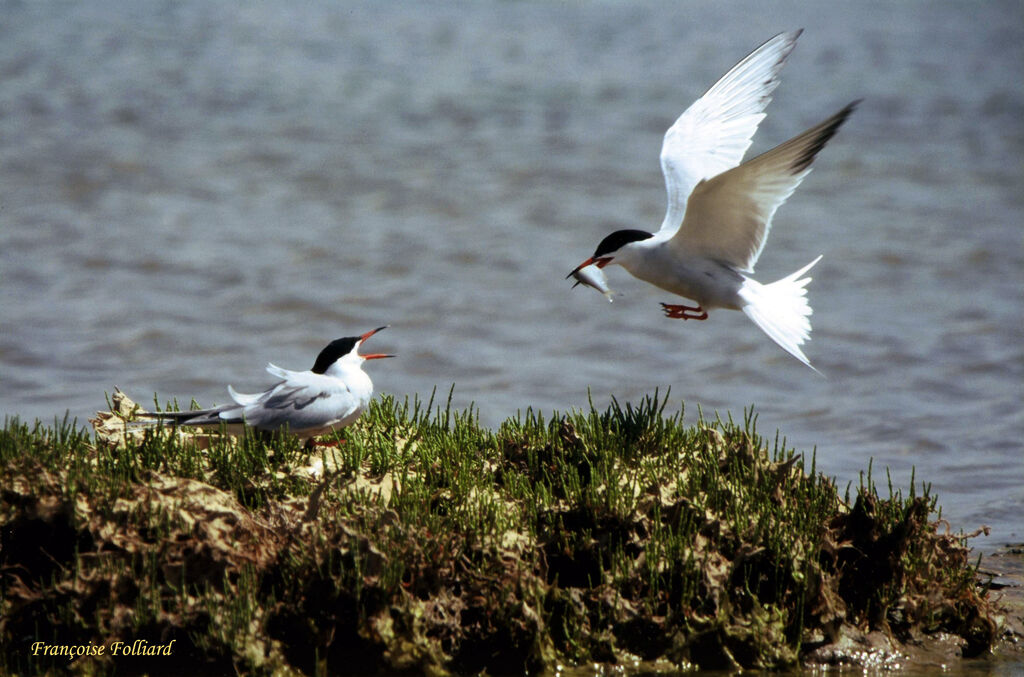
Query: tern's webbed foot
<point x="677" y="312"/>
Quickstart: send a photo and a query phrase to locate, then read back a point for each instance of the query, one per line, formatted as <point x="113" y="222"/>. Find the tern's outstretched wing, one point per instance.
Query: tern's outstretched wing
<point x="712" y="135"/>
<point x="728" y="217"/>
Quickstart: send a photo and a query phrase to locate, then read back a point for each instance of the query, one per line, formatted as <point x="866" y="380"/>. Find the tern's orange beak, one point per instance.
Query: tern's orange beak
<point x="373" y="356"/>
<point x="600" y="262"/>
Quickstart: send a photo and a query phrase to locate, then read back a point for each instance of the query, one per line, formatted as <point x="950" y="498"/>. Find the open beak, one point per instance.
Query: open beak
<point x="373" y="356"/>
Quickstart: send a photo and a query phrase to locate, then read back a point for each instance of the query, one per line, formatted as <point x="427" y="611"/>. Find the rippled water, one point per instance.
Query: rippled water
<point x="189" y="190"/>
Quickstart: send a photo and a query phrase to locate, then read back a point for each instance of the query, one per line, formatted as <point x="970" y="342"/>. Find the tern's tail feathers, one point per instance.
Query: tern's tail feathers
<point x="243" y="399"/>
<point x="192" y="417"/>
<point x="781" y="310"/>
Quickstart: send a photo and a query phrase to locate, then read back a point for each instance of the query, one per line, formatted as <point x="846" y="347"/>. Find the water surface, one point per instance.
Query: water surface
<point x="190" y="190"/>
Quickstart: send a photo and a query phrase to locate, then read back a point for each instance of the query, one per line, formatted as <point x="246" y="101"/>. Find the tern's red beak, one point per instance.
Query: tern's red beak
<point x="600" y="262"/>
<point x="373" y="356"/>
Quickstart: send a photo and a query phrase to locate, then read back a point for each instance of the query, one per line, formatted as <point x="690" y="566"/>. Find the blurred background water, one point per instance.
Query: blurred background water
<point x="189" y="190"/>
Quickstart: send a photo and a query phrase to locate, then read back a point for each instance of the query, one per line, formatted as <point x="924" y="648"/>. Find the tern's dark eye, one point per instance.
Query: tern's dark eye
<point x="618" y="239"/>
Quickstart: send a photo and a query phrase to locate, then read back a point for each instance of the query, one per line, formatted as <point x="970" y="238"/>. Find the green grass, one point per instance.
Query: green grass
<point x="425" y="542"/>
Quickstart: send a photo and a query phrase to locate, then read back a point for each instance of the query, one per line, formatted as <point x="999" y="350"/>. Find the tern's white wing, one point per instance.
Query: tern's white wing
<point x="728" y="216"/>
<point x="303" y="401"/>
<point x="712" y="135"/>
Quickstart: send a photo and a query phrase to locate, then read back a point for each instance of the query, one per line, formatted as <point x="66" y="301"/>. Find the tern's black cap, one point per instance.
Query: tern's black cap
<point x="618" y="239"/>
<point x="335" y="350"/>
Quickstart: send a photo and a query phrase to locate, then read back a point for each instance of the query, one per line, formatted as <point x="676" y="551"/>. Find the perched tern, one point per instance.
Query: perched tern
<point x="720" y="211"/>
<point x="331" y="395"/>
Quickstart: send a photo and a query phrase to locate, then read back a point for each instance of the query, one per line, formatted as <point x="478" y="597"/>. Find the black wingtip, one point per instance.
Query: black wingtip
<point x="825" y="131"/>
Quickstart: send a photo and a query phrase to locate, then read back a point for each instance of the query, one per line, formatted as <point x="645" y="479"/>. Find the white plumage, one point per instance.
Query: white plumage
<point x="331" y="395"/>
<point x="720" y="211"/>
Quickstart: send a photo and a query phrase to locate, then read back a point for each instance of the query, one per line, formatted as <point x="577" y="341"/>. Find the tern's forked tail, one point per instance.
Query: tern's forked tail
<point x="781" y="310"/>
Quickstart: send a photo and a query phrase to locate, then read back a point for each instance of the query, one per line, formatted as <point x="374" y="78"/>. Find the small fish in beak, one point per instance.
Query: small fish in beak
<point x="592" y="276"/>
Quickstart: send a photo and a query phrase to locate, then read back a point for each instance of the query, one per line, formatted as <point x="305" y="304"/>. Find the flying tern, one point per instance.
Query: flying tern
<point x="329" y="396"/>
<point x="720" y="211"/>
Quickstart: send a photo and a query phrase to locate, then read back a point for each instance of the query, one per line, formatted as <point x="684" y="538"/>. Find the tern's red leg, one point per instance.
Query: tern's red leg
<point x="312" y="442"/>
<point x="684" y="312"/>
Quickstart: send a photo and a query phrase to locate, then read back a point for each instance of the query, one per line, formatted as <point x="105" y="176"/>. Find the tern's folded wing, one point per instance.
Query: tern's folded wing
<point x="301" y="409"/>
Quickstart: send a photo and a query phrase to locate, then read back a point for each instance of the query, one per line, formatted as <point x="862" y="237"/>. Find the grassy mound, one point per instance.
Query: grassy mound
<point x="426" y="543"/>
